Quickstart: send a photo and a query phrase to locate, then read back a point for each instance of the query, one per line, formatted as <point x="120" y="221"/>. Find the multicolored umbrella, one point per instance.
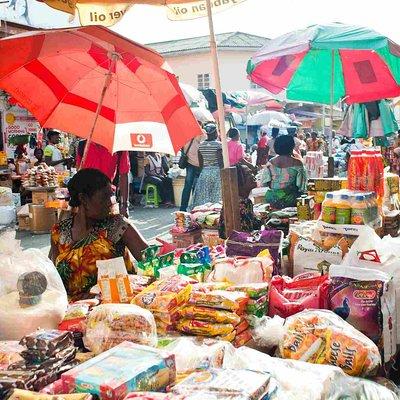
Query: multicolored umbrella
<point x="95" y="84"/>
<point x="324" y="64"/>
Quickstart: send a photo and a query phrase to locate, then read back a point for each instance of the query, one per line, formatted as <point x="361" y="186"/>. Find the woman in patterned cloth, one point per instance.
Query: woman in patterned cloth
<point x="91" y="234"/>
<point x="284" y="175"/>
<point x="208" y="187"/>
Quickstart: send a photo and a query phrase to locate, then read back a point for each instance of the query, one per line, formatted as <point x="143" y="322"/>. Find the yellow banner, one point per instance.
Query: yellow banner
<point x="198" y="9"/>
<point x="67" y="6"/>
<point x="101" y="14"/>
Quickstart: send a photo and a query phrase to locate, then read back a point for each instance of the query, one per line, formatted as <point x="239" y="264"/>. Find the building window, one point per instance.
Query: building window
<point x="203" y="81"/>
<point x="254" y="86"/>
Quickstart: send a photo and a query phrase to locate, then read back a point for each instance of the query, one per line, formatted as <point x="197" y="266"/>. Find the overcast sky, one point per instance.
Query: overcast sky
<point x="269" y="18"/>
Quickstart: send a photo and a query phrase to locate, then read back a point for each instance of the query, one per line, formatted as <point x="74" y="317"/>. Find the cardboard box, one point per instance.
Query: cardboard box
<point x="183" y="240"/>
<point x="305" y="208"/>
<point x="24" y="223"/>
<point x="42" y="197"/>
<point x="123" y="369"/>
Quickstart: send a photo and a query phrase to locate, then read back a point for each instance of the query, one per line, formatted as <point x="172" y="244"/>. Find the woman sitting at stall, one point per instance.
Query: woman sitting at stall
<point x="91" y="234"/>
<point x="284" y="175"/>
<point x="208" y="187"/>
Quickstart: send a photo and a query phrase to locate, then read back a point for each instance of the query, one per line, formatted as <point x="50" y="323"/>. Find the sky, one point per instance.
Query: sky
<point x="269" y="18"/>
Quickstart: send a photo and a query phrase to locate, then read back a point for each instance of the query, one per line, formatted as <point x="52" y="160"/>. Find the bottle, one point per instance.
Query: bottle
<point x="359" y="210"/>
<point x="329" y="209"/>
<point x="343" y="210"/>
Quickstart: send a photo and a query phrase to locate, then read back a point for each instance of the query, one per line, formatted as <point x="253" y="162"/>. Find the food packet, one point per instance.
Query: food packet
<point x="242" y="338"/>
<point x="232" y="301"/>
<point x="165" y="295"/>
<point x="113" y="281"/>
<point x="322" y="337"/>
<point x="254" y="305"/>
<point x="253" y="290"/>
<point x="19" y="394"/>
<point x="48" y="341"/>
<point x="209" y="315"/>
<point x="197" y="271"/>
<point x="241" y="326"/>
<point x="112" y="324"/>
<point x="203" y="328"/>
<point x="10" y="353"/>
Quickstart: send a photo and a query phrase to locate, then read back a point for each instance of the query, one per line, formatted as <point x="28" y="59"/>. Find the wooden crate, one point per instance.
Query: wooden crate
<point x="24" y="223"/>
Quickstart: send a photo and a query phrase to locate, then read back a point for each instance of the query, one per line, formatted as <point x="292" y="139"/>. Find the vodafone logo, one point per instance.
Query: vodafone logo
<point x="142" y="140"/>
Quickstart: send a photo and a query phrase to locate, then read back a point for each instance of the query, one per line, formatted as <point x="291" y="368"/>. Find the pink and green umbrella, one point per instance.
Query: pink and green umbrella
<point x="326" y="63"/>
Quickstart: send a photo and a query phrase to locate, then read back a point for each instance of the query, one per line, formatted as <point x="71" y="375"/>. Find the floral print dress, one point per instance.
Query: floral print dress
<point x="76" y="261"/>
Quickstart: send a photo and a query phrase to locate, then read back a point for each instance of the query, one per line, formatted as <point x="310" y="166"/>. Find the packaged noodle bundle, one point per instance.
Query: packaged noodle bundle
<point x="220" y="299"/>
<point x="253" y="290"/>
<point x="322" y="337"/>
<point x="203" y="328"/>
<point x="112" y="324"/>
<point x="113" y="281"/>
<point x="242" y="338"/>
<point x="207" y="314"/>
<point x="165" y="295"/>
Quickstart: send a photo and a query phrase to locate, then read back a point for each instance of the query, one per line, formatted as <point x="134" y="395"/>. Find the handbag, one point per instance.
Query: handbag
<point x="184" y="159"/>
<point x="251" y="244"/>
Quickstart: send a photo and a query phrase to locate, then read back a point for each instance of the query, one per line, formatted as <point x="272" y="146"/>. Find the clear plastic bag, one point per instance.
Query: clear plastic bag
<point x="322" y="337"/>
<point x="31" y="290"/>
<point x="112" y="324"/>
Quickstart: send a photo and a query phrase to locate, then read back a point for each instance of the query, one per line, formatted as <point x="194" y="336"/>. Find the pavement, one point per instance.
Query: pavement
<point x="151" y="223"/>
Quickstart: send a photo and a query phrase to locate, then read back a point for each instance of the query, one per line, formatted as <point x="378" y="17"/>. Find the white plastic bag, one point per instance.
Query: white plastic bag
<point x="48" y="312"/>
<point x="111" y="324"/>
<point x="370" y="251"/>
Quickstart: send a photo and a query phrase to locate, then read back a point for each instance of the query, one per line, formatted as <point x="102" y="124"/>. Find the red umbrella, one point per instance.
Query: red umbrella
<point x="94" y="83"/>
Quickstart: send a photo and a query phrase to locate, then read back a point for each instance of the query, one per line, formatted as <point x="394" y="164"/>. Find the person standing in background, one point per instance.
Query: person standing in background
<point x="52" y="155"/>
<point x="262" y="149"/>
<point x="115" y="166"/>
<point x="192" y="169"/>
<point x="314" y="143"/>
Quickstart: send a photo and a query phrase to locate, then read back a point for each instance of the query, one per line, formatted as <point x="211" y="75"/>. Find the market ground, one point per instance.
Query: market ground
<point x="151" y="222"/>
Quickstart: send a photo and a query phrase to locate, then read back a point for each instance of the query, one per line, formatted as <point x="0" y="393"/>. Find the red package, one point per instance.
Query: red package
<point x="242" y="338"/>
<point x="289" y="296"/>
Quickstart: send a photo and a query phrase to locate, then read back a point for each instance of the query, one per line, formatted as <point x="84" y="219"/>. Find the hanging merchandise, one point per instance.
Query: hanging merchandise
<point x="374" y="119"/>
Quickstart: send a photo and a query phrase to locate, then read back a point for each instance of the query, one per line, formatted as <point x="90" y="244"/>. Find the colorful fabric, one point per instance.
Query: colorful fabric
<point x="286" y="185"/>
<point x="235" y="151"/>
<point x="100" y="158"/>
<point x="76" y="261"/>
<point x="208" y="187"/>
<point x="209" y="151"/>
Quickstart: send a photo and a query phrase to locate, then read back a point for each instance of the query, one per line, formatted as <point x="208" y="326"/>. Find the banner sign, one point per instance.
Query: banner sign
<point x="198" y="9"/>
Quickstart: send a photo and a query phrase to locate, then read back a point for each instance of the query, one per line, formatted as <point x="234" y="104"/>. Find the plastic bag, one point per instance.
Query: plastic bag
<point x="322" y="337"/>
<point x="370" y="251"/>
<point x="298" y="380"/>
<point x="365" y="298"/>
<point x="253" y="290"/>
<point x="112" y="324"/>
<point x="10" y="353"/>
<point x="241" y="270"/>
<point x="193" y="354"/>
<point x="166" y="294"/>
<point x="289" y="296"/>
<point x="39" y="300"/>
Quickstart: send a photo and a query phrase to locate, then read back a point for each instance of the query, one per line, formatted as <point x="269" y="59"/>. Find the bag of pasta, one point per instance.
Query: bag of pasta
<point x="322" y="337"/>
<point x="112" y="324"/>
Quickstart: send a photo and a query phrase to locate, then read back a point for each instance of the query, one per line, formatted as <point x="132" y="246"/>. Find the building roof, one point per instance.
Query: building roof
<point x="225" y="41"/>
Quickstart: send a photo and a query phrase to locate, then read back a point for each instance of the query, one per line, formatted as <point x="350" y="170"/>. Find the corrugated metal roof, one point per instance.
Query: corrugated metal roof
<point x="230" y="40"/>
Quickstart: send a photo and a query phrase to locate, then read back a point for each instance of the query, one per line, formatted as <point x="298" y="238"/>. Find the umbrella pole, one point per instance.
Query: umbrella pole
<point x="331" y="162"/>
<point x="230" y="190"/>
<point x="99" y="105"/>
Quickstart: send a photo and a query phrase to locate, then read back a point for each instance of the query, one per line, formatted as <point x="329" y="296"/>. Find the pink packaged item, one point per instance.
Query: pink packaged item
<point x="54" y="388"/>
<point x="289" y="296"/>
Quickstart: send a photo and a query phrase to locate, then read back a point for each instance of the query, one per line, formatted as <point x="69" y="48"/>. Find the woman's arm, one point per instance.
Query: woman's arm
<point x="134" y="241"/>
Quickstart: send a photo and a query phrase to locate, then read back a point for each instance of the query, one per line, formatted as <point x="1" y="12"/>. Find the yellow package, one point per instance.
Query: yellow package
<point x="19" y="394"/>
<point x="210" y="315"/>
<point x="203" y="328"/>
<point x="344" y="352"/>
<point x="166" y="294"/>
<point x="230" y="337"/>
<point x="221" y="299"/>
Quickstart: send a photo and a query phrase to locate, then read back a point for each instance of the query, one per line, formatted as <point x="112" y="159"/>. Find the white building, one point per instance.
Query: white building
<point x="190" y="59"/>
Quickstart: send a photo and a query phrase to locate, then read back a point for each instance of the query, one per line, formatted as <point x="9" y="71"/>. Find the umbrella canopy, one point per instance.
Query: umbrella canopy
<point x="202" y="114"/>
<point x="336" y="60"/>
<point x="70" y="78"/>
<point x="193" y="96"/>
<point x="264" y="118"/>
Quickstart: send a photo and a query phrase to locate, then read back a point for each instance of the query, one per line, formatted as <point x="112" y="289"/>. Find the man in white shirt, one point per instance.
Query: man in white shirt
<point x="52" y="155"/>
